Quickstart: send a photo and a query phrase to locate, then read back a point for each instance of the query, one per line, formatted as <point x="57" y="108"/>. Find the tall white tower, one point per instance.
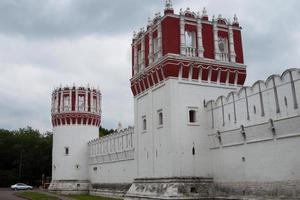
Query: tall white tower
<point x="76" y="117"/>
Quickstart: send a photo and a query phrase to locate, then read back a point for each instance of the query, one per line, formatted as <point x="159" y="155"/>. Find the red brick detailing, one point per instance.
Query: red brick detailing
<point x="160" y="75"/>
<point x="214" y="75"/>
<point x="205" y="74"/>
<point x="208" y="40"/>
<point x="191" y="28"/>
<point x="150" y="80"/>
<point x="146" y="50"/>
<point x="145" y="82"/>
<point x="185" y="71"/>
<point x="154" y="77"/>
<point x="231" y="77"/>
<point x="241" y="78"/>
<point x="170" y="35"/>
<point x="132" y="60"/>
<point x="205" y="18"/>
<point x="195" y="74"/>
<point x="169" y="11"/>
<point x="171" y="70"/>
<point x="221" y="21"/>
<point x="238" y="46"/>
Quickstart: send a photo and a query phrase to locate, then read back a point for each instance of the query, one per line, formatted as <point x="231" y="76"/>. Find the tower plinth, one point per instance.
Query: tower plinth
<point x="76" y="117"/>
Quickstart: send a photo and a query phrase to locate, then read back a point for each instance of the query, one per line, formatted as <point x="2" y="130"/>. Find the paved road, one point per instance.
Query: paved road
<point x="7" y="194"/>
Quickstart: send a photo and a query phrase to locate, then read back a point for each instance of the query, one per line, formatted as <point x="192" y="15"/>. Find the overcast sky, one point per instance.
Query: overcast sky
<point x="47" y="43"/>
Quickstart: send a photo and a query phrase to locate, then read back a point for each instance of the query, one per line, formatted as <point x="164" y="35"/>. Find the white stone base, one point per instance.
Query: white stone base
<point x="70" y="186"/>
<point x="171" y="188"/>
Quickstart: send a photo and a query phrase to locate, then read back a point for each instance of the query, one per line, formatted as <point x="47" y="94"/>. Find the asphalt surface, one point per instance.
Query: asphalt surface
<point x="8" y="194"/>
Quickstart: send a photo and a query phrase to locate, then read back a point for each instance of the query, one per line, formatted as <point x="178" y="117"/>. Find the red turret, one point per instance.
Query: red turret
<point x="189" y="46"/>
<point x="76" y="105"/>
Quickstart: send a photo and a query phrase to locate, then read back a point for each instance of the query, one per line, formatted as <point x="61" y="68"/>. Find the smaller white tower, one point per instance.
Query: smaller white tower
<point x="76" y="117"/>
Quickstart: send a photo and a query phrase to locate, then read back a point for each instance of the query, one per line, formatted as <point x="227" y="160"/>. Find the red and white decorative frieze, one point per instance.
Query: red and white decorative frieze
<point x="76" y="105"/>
<point x="187" y="46"/>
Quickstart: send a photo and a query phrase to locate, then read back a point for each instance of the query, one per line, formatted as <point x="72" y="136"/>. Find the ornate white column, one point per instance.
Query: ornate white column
<point x="61" y="101"/>
<point x="232" y="54"/>
<point x="216" y="44"/>
<point x="76" y="99"/>
<point x="150" y="56"/>
<point x="135" y="65"/>
<point x="92" y="102"/>
<point x="182" y="37"/>
<point x="70" y="101"/>
<point x="98" y="104"/>
<point x="199" y="37"/>
<point x="159" y="40"/>
<point x="86" y="101"/>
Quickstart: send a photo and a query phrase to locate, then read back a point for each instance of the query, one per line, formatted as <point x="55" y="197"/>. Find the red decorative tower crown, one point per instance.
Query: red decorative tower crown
<point x="187" y="46"/>
<point x="76" y="105"/>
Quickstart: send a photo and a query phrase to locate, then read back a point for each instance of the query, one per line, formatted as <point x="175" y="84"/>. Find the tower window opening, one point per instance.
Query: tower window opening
<point x="190" y="39"/>
<point x="144" y="125"/>
<point x="223" y="48"/>
<point x="254" y="109"/>
<point x="285" y="101"/>
<point x="193" y="151"/>
<point x="192" y="116"/>
<point x="80" y="103"/>
<point x="94" y="109"/>
<point x="160" y="118"/>
<point x="66" y="103"/>
<point x="67" y="151"/>
<point x="190" y="43"/>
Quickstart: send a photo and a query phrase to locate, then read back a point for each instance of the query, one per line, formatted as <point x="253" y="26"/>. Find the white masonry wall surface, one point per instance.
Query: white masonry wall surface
<point x="256" y="138"/>
<point x="263" y="143"/>
<point x="112" y="158"/>
<point x="75" y="137"/>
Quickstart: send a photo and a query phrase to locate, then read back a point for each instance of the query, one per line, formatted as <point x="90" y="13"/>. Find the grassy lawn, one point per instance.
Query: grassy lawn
<point x="42" y="196"/>
<point x="88" y="197"/>
<point x="36" y="196"/>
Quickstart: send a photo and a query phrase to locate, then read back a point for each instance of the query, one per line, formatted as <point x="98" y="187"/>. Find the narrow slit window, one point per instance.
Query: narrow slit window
<point x="144" y="123"/>
<point x="285" y="101"/>
<point x="67" y="151"/>
<point x="192" y="116"/>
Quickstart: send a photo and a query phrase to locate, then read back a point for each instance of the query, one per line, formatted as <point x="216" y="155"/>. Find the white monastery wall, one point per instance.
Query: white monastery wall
<point x="112" y="158"/>
<point x="154" y="150"/>
<point x="189" y="140"/>
<point x="254" y="133"/>
<point x="71" y="166"/>
<point x="167" y="150"/>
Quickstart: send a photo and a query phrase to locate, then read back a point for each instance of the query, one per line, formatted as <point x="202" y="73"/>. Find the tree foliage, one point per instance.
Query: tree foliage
<point x="25" y="155"/>
<point x="104" y="131"/>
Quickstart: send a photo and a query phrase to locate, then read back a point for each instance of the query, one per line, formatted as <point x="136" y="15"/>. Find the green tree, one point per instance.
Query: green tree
<point x="104" y="131"/>
<point x="25" y="155"/>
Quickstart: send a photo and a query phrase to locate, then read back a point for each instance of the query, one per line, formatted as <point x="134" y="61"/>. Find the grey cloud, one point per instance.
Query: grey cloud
<point x="68" y="18"/>
<point x="45" y="43"/>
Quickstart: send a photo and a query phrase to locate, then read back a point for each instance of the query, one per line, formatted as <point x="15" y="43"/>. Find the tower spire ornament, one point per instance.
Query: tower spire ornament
<point x="168" y="4"/>
<point x="235" y="19"/>
<point x="168" y="7"/>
